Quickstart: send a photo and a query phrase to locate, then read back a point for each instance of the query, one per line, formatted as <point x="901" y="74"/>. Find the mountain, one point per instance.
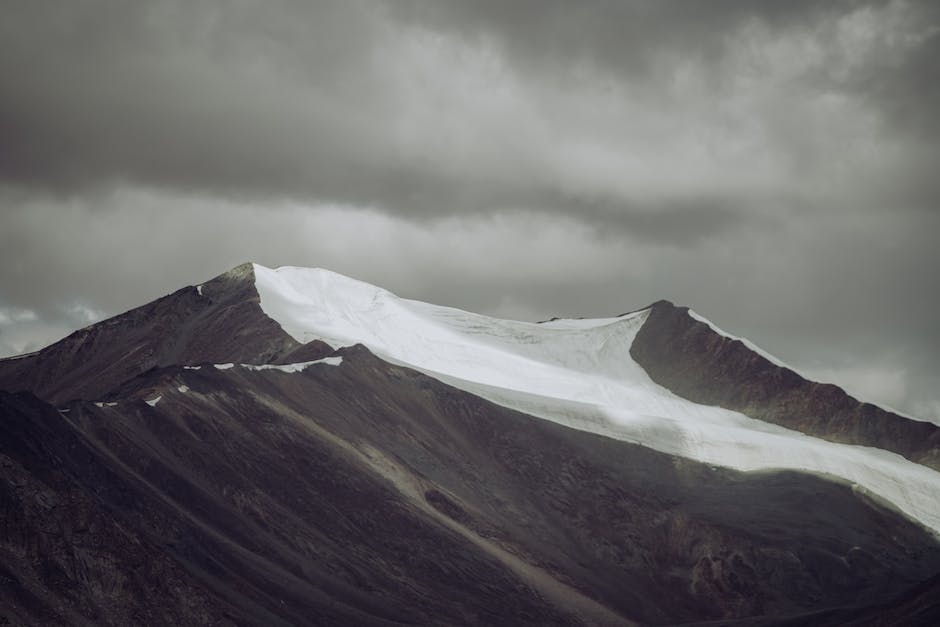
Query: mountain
<point x="219" y="321"/>
<point x="291" y="446"/>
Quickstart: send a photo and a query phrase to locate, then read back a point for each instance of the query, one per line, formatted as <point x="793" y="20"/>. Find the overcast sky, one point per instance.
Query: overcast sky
<point x="774" y="165"/>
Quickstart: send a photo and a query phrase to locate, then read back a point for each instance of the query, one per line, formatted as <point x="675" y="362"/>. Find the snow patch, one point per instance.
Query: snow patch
<point x="153" y="402"/>
<point x="223" y="366"/>
<point x="99" y="405"/>
<point x="183" y="389"/>
<point x="191" y="367"/>
<point x="64" y="411"/>
<point x="576" y="372"/>
<point x="295" y="367"/>
<point x="199" y="289"/>
<point x="329" y="361"/>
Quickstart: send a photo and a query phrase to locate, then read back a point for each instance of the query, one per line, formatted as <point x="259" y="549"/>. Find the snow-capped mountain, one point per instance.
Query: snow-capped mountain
<point x="579" y="373"/>
<point x="294" y="446"/>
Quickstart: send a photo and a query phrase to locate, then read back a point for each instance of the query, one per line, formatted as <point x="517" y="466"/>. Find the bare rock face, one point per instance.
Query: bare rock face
<point x="220" y="321"/>
<point x="918" y="607"/>
<point x="66" y="554"/>
<point x="691" y="359"/>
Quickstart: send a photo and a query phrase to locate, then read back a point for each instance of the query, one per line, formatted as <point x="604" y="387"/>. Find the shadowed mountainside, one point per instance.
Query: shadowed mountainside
<point x="367" y="493"/>
<point x="219" y="321"/>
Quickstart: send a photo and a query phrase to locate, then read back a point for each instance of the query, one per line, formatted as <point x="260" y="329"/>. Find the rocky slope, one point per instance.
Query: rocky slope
<point x="367" y="493"/>
<point x="218" y="321"/>
<point x="690" y="358"/>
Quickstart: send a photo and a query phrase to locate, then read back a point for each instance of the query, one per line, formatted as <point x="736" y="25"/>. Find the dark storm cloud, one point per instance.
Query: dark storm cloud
<point x="180" y="94"/>
<point x="905" y="80"/>
<point x="771" y="163"/>
<point x="620" y="37"/>
<point x="356" y="102"/>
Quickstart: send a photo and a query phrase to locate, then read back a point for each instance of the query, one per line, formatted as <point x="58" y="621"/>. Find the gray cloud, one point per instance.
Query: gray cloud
<point x="447" y="106"/>
<point x="623" y="38"/>
<point x="769" y="163"/>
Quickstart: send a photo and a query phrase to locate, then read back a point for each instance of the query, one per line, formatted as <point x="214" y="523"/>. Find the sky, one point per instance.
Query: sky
<point x="773" y="165"/>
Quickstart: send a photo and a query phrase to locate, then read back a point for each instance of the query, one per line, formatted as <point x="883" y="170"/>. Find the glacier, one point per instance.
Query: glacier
<point x="578" y="373"/>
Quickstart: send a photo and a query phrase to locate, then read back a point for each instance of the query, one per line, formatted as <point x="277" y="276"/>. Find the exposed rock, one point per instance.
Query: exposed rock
<point x="221" y="322"/>
<point x="691" y="359"/>
<point x="371" y="494"/>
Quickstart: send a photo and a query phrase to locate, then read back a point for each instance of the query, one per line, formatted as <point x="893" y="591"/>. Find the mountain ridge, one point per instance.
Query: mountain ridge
<point x="219" y="321"/>
<point x="693" y="360"/>
<point x="585" y="373"/>
<point x="252" y="314"/>
<point x="269" y="478"/>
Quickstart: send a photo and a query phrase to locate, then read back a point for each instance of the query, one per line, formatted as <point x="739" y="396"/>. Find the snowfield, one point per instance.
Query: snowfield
<point x="578" y="373"/>
<point x="298" y="366"/>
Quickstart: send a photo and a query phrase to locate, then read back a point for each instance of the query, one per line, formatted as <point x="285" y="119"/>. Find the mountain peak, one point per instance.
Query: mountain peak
<point x="662" y="303"/>
<point x="216" y="322"/>
<point x="242" y="270"/>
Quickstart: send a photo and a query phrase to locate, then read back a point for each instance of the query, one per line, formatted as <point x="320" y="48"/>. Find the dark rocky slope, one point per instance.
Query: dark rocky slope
<point x="67" y="553"/>
<point x="224" y="323"/>
<point x="688" y="357"/>
<point x="370" y="494"/>
<point x="918" y="607"/>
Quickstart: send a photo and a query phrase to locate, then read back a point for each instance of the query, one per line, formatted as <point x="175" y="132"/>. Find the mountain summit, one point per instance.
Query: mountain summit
<point x="292" y="446"/>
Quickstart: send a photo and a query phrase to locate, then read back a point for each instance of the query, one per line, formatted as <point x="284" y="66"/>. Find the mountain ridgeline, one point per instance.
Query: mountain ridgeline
<point x="291" y="447"/>
<point x="217" y="322"/>
<point x="690" y="358"/>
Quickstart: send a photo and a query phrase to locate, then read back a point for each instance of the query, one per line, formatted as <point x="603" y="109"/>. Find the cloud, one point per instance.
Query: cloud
<point x="428" y="108"/>
<point x="82" y="248"/>
<point x="9" y="315"/>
